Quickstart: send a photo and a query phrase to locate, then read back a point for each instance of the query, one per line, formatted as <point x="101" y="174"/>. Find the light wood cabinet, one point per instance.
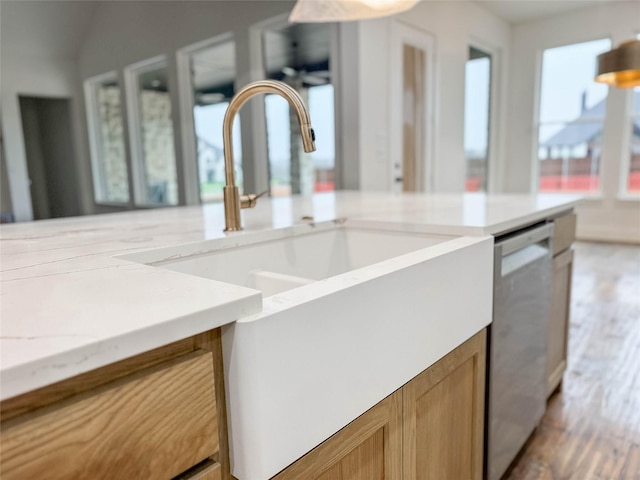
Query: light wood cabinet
<point x="558" y="327"/>
<point x="557" y="344"/>
<point x="431" y="428"/>
<point x="564" y="232"/>
<point x="208" y="470"/>
<point x="444" y="416"/>
<point x="162" y="415"/>
<point x="369" y="448"/>
<point x="156" y="415"/>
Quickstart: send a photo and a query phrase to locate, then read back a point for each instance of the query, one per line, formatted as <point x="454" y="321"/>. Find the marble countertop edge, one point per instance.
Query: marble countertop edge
<point x="86" y="356"/>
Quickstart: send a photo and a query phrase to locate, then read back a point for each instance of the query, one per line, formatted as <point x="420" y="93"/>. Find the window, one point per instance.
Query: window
<point x="321" y="112"/>
<point x="299" y="56"/>
<point x="278" y="145"/>
<point x="104" y="110"/>
<point x="633" y="181"/>
<point x="571" y="118"/>
<point x="153" y="154"/>
<point x="477" y="97"/>
<point x="213" y="71"/>
<point x="633" y="177"/>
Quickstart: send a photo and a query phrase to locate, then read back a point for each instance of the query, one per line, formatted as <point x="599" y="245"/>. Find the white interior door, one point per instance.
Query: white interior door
<point x="412" y="87"/>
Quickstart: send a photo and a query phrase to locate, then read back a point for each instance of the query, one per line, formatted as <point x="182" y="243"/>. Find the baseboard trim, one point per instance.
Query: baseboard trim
<point x="608" y="236"/>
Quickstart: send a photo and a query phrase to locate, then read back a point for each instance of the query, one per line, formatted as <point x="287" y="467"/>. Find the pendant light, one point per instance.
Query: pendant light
<point x="620" y="67"/>
<point x="315" y="11"/>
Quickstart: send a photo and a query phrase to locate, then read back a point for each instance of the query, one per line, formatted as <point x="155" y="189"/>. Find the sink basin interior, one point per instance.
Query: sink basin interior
<point x="294" y="258"/>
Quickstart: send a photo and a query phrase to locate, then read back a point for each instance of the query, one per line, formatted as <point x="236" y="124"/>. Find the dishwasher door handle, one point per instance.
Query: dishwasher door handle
<point x="523" y="257"/>
<point x="527" y="238"/>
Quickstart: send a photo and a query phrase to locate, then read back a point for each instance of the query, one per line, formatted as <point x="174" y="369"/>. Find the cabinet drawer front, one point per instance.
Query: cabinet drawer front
<point x="564" y="232"/>
<point x="156" y="423"/>
<point x="209" y="470"/>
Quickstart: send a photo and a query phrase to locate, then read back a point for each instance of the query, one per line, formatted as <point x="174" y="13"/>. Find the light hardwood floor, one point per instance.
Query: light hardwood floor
<point x="591" y="430"/>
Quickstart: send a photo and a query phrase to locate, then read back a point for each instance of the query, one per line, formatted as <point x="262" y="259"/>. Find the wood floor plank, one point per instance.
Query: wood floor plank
<point x="591" y="430"/>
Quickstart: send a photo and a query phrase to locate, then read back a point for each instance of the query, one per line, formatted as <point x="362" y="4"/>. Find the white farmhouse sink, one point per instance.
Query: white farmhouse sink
<point x="351" y="312"/>
<point x="279" y="260"/>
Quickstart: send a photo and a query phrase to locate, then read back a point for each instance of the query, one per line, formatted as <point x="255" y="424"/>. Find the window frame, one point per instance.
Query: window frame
<point x="625" y="162"/>
<point x="191" y="183"/>
<point x="97" y="162"/>
<point x="495" y="175"/>
<point x="535" y="146"/>
<point x="136" y="147"/>
<point x="258" y="65"/>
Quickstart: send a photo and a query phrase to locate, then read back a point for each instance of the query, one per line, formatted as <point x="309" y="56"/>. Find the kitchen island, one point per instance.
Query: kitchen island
<point x="70" y="306"/>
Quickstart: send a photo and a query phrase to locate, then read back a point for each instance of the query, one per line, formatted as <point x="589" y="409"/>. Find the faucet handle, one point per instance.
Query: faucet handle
<point x="249" y="201"/>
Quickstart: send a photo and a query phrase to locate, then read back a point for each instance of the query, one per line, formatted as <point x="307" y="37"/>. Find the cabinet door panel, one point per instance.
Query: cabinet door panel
<point x="369" y="448"/>
<point x="365" y="462"/>
<point x="447" y="406"/>
<point x="208" y="470"/>
<point x="444" y="416"/>
<point x="564" y="232"/>
<point x="559" y="319"/>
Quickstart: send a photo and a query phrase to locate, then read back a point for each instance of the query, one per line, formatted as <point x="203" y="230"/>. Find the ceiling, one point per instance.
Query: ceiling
<point x="57" y="28"/>
<point x="518" y="11"/>
<point x="299" y="50"/>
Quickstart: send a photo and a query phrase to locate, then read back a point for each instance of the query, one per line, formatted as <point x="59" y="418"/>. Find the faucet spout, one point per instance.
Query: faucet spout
<point x="233" y="202"/>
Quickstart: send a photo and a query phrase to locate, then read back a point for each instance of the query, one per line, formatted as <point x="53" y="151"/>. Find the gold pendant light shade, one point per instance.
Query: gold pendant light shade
<point x="620" y="67"/>
<point x="315" y="11"/>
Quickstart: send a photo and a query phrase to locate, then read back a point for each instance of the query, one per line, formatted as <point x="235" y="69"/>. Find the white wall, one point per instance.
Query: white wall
<point x="607" y="217"/>
<point x="33" y="76"/>
<point x="346" y="107"/>
<point x="5" y="194"/>
<point x="454" y="26"/>
<point x="127" y="32"/>
<point x="39" y="41"/>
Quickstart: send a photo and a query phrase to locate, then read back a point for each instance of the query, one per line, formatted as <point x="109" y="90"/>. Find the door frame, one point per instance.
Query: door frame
<point x="97" y="162"/>
<point x="495" y="147"/>
<point x="134" y="127"/>
<point x="401" y="34"/>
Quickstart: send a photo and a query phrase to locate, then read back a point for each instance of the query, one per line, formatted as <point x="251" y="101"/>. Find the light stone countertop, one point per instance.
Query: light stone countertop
<point x="68" y="306"/>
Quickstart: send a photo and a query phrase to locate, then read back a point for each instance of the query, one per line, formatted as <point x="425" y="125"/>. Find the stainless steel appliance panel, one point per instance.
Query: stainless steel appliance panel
<point x="518" y="336"/>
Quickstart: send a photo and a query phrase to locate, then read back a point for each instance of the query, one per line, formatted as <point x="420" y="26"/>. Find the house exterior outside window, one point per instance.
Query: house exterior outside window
<point x="571" y="119"/>
<point x="299" y="55"/>
<point x="213" y="76"/>
<point x="633" y="174"/>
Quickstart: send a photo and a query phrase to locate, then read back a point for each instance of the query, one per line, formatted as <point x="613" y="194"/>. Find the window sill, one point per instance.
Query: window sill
<point x="150" y="206"/>
<point x="587" y="196"/>
<point x="620" y="198"/>
<point x="111" y="204"/>
<point x="628" y="197"/>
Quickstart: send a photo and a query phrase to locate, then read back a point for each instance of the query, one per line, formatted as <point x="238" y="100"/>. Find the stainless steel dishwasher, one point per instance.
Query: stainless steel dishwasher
<point x="517" y="343"/>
